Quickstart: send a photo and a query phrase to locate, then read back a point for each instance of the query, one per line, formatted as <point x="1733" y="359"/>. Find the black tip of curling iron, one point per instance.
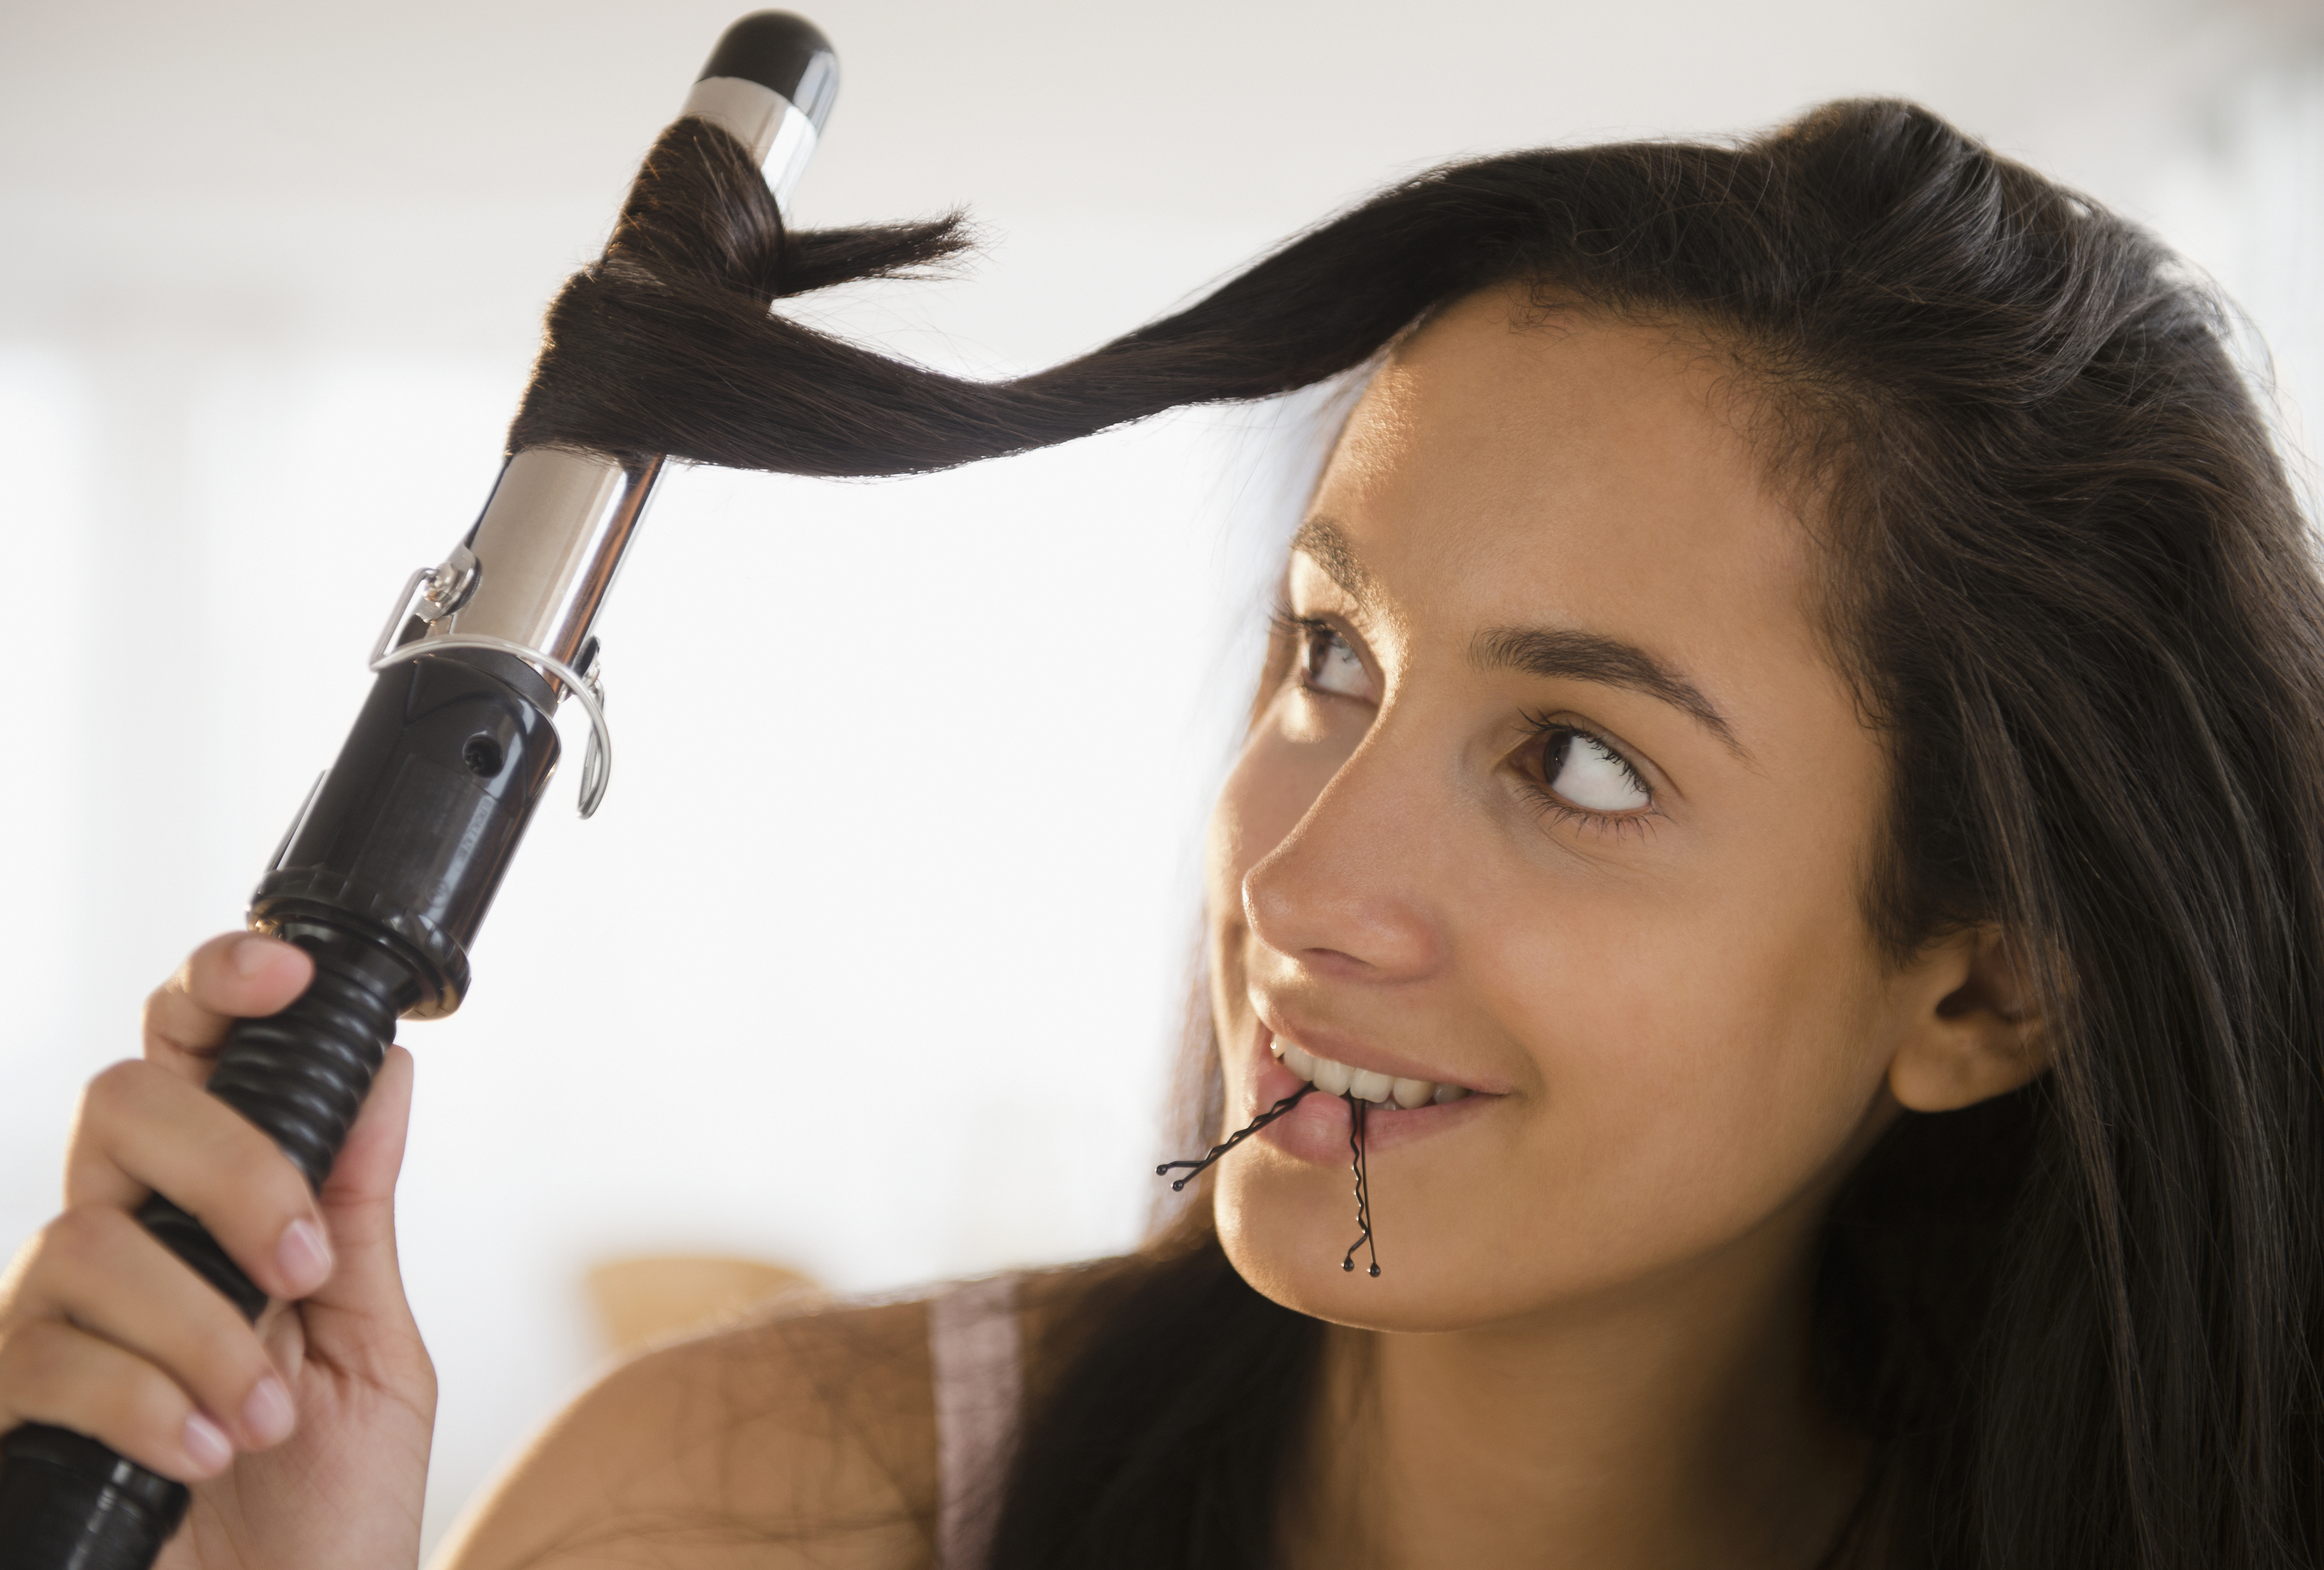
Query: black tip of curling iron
<point x="784" y="52"/>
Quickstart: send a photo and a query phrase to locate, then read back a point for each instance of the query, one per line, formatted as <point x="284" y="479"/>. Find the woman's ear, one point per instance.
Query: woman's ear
<point x="1975" y="1031"/>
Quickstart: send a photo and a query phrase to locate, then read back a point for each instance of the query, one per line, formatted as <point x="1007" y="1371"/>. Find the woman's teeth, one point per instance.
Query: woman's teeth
<point x="1339" y="1079"/>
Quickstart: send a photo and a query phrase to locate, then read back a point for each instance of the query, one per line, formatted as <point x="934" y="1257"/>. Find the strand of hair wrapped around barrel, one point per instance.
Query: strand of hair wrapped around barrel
<point x="668" y="344"/>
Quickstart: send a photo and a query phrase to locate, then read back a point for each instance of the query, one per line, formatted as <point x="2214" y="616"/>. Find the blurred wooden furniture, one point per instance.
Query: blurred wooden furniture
<point x="657" y="1296"/>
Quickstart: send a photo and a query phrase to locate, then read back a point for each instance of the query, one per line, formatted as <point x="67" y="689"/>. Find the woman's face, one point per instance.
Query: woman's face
<point x="1561" y="802"/>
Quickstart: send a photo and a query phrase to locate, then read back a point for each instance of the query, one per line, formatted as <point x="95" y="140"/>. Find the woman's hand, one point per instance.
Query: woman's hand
<point x="304" y="1437"/>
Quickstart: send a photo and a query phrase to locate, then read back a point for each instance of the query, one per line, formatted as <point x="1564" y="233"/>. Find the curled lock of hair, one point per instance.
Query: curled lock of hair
<point x="666" y="345"/>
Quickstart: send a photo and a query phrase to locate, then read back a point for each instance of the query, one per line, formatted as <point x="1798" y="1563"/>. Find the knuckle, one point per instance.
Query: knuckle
<point x="20" y="1365"/>
<point x="36" y="1369"/>
<point x="81" y="1239"/>
<point x="116" y="1086"/>
<point x="80" y="1257"/>
<point x="26" y="1282"/>
<point x="23" y="1368"/>
<point x="38" y="1250"/>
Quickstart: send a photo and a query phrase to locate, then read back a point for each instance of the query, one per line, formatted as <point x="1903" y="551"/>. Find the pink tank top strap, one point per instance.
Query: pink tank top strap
<point x="980" y="1381"/>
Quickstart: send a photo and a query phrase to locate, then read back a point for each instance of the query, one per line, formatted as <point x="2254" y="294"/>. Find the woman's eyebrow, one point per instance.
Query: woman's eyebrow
<point x="1324" y="542"/>
<point x="1589" y="656"/>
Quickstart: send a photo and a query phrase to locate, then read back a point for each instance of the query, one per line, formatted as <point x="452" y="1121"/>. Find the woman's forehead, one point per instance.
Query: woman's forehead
<point x="1519" y="397"/>
<point x="1577" y="448"/>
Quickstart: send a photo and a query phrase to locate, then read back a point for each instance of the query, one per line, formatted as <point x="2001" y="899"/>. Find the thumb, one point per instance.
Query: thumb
<point x="358" y="1199"/>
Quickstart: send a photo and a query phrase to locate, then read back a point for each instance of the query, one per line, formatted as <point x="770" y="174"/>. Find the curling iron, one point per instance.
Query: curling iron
<point x="385" y="874"/>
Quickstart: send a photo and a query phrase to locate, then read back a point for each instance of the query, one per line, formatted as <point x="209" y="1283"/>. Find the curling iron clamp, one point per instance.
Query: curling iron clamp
<point x="386" y="873"/>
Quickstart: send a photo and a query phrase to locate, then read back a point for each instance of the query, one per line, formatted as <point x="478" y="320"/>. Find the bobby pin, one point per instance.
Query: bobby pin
<point x="1232" y="1140"/>
<point x="1363" y="1189"/>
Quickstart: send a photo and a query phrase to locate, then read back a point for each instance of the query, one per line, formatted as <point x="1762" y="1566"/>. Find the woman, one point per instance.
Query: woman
<point x="1787" y="787"/>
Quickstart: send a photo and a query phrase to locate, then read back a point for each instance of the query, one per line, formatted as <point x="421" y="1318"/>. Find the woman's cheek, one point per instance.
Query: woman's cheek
<point x="1689" y="1084"/>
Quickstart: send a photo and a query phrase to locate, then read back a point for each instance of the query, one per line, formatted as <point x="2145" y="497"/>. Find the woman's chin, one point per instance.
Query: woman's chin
<point x="1291" y="1242"/>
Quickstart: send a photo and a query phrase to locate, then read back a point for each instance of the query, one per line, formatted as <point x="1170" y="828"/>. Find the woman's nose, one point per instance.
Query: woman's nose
<point x="1353" y="889"/>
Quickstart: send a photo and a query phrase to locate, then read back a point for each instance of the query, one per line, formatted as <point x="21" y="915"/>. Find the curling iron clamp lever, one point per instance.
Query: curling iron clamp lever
<point x="433" y="593"/>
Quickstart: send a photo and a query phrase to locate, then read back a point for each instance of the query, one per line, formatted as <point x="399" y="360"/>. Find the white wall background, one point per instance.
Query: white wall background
<point x="870" y="960"/>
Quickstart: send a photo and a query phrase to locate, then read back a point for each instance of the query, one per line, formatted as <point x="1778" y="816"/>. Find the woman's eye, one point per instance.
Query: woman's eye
<point x="1333" y="667"/>
<point x="1580" y="770"/>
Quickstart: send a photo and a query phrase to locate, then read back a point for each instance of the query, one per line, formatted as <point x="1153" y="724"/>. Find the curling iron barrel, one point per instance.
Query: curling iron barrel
<point x="386" y="873"/>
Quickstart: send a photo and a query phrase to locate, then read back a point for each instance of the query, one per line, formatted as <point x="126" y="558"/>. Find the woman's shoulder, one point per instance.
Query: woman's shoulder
<point x="807" y="1437"/>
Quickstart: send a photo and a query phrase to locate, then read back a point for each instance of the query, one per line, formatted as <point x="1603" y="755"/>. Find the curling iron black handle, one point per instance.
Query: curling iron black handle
<point x="67" y="1503"/>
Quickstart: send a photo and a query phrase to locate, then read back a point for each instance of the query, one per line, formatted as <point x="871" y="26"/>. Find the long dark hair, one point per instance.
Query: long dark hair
<point x="2069" y="581"/>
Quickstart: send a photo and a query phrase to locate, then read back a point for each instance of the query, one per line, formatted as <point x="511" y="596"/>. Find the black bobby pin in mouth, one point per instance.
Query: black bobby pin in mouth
<point x="1356" y="1163"/>
<point x="1363" y="1189"/>
<point x="1232" y="1140"/>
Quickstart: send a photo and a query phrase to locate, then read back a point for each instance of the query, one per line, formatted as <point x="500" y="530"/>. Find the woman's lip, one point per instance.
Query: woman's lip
<point x="1355" y="1055"/>
<point x="1319" y="1128"/>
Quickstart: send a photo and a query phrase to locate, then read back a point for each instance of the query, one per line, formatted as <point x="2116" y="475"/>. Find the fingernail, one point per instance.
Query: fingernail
<point x="252" y="955"/>
<point x="304" y="1255"/>
<point x="267" y="1414"/>
<point x="207" y="1445"/>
